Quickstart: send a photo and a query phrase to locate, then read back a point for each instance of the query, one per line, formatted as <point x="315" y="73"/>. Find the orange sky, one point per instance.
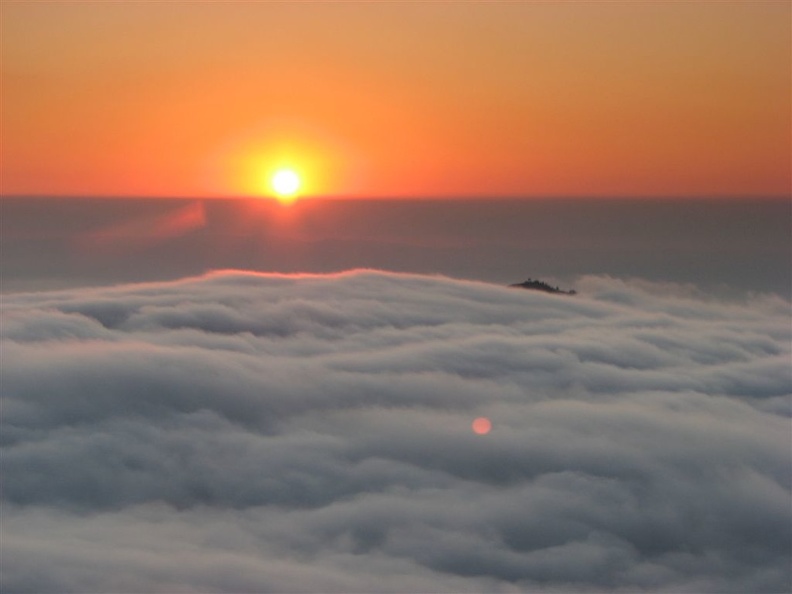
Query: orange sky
<point x="397" y="99"/>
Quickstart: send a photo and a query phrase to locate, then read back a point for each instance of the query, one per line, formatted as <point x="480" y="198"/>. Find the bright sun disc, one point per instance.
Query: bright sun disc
<point x="285" y="182"/>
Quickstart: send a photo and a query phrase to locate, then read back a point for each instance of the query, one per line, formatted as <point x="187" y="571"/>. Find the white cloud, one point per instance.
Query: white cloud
<point x="244" y="432"/>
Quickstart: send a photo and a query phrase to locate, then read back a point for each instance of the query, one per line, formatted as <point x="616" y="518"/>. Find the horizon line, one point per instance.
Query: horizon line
<point x="437" y="198"/>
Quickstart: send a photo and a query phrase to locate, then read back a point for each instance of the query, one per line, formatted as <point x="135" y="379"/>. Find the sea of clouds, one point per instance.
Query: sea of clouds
<point x="242" y="432"/>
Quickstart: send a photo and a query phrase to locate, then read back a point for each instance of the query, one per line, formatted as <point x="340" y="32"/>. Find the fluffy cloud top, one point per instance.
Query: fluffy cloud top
<point x="244" y="432"/>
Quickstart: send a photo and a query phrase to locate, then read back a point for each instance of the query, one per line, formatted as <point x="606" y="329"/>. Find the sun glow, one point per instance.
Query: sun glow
<point x="482" y="426"/>
<point x="285" y="183"/>
<point x="287" y="162"/>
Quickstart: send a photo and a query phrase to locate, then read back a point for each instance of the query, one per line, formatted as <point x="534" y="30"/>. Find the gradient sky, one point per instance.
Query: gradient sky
<point x="397" y="99"/>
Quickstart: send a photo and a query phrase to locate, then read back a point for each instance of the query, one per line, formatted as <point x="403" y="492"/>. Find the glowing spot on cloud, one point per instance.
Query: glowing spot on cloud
<point x="482" y="425"/>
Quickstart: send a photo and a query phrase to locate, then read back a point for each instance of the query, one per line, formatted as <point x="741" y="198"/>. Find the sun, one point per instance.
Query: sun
<point x="482" y="425"/>
<point x="285" y="183"/>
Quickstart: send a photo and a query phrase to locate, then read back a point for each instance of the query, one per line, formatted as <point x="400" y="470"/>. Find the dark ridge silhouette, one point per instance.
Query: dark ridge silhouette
<point x="538" y="285"/>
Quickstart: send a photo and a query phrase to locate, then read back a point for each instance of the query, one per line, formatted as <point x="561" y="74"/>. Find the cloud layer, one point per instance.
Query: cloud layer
<point x="243" y="432"/>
